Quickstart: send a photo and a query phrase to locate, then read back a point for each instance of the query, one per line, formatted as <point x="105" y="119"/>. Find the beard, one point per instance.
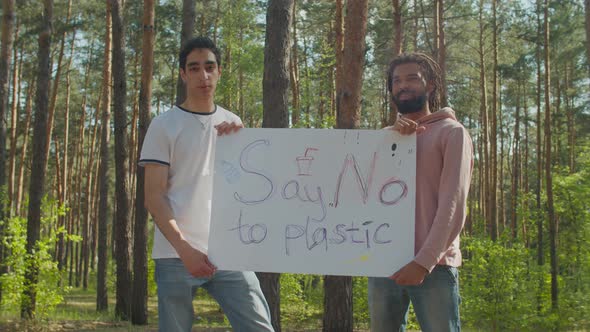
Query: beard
<point x="408" y="106"/>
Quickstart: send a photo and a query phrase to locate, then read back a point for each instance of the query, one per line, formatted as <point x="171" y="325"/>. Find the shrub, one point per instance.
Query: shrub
<point x="13" y="283"/>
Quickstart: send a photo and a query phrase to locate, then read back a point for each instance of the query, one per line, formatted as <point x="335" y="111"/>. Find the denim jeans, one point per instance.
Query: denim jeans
<point x="436" y="302"/>
<point x="238" y="294"/>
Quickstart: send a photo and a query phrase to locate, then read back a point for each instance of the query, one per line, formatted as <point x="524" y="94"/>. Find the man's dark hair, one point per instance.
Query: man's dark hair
<point x="430" y="69"/>
<point x="198" y="43"/>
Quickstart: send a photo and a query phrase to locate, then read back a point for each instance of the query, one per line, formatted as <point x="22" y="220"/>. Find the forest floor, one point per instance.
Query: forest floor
<point x="78" y="313"/>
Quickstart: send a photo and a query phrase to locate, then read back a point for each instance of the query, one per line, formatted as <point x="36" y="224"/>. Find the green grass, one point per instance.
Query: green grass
<point x="78" y="313"/>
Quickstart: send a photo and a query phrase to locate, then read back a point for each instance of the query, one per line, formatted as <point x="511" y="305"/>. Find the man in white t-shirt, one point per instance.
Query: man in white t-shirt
<point x="177" y="154"/>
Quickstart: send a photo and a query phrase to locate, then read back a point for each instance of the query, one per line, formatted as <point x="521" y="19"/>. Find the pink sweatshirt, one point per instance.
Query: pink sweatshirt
<point x="443" y="175"/>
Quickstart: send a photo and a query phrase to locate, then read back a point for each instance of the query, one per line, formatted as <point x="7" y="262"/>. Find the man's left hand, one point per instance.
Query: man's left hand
<point x="225" y="128"/>
<point x="410" y="275"/>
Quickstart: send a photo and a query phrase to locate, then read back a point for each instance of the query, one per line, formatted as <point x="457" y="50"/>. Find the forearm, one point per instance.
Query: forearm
<point x="445" y="230"/>
<point x="194" y="260"/>
<point x="163" y="216"/>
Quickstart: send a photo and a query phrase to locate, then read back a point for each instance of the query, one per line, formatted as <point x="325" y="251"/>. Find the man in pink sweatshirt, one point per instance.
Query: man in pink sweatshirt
<point x="443" y="174"/>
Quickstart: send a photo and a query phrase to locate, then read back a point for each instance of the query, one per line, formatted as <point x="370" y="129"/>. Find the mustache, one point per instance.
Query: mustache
<point x="403" y="91"/>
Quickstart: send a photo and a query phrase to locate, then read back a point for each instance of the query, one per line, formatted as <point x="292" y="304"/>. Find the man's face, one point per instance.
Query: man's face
<point x="409" y="88"/>
<point x="201" y="73"/>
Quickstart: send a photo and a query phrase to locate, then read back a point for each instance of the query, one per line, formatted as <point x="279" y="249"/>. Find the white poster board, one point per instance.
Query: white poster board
<point x="317" y="201"/>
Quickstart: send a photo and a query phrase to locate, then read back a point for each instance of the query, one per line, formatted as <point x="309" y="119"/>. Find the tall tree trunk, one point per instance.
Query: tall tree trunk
<point x="471" y="206"/>
<point x="485" y="194"/>
<point x="188" y="26"/>
<point x="275" y="103"/>
<point x="337" y="304"/>
<point x="397" y="27"/>
<point x="62" y="178"/>
<point x="480" y="173"/>
<point x="307" y="81"/>
<point x="276" y="64"/>
<point x="61" y="261"/>
<point x="397" y="49"/>
<point x="103" y="214"/>
<point x="540" y="260"/>
<point x="75" y="221"/>
<point x="525" y="167"/>
<point x="539" y="153"/>
<point x="415" y="27"/>
<point x="241" y="91"/>
<point x="338" y="290"/>
<point x="37" y="186"/>
<point x="216" y="21"/>
<point x="61" y="255"/>
<point x="385" y="109"/>
<point x="555" y="123"/>
<point x="8" y="18"/>
<point x="442" y="51"/>
<point x="78" y="215"/>
<point x="16" y="77"/>
<point x="294" y="71"/>
<point x="87" y="203"/>
<point x="227" y="64"/>
<point x="515" y="166"/>
<point x="494" y="130"/>
<point x="339" y="50"/>
<point x="571" y="126"/>
<point x="123" y="225"/>
<point x="548" y="176"/>
<point x="435" y="29"/>
<point x="202" y="18"/>
<point x="349" y="95"/>
<point x="95" y="198"/>
<point x="59" y="189"/>
<point x="587" y="10"/>
<point x="321" y="109"/>
<point x="501" y="214"/>
<point x="23" y="152"/>
<point x="56" y="82"/>
<point x="139" y="313"/>
<point x="133" y="136"/>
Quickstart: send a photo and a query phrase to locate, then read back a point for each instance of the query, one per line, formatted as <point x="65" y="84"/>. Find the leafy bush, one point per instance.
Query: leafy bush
<point x="360" y="301"/>
<point x="498" y="285"/>
<point x="300" y="300"/>
<point x="13" y="283"/>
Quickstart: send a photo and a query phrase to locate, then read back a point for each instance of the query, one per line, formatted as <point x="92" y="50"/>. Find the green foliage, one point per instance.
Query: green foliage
<point x="360" y="300"/>
<point x="13" y="283"/>
<point x="572" y="197"/>
<point x="329" y="121"/>
<point x="498" y="286"/>
<point x="302" y="298"/>
<point x="152" y="287"/>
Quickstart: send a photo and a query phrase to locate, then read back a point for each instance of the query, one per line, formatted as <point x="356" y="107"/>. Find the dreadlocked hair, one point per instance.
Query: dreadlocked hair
<point x="430" y="69"/>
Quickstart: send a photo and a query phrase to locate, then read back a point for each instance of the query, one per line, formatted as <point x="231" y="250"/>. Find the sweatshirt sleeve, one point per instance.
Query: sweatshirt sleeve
<point x="452" y="198"/>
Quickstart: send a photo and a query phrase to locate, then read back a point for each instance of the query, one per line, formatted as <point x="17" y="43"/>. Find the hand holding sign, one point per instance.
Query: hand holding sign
<point x="336" y="202"/>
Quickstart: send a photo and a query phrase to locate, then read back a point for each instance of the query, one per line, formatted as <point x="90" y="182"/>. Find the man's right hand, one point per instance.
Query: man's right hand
<point x="226" y="128"/>
<point x="406" y="126"/>
<point x="196" y="262"/>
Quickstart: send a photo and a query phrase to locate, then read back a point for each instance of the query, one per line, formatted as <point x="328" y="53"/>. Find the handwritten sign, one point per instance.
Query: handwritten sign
<point x="336" y="202"/>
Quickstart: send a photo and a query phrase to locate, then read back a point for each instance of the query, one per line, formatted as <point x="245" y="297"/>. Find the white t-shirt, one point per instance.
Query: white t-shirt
<point x="185" y="142"/>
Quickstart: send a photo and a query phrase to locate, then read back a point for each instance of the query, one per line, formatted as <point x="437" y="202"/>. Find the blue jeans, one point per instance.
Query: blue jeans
<point x="436" y="302"/>
<point x="238" y="294"/>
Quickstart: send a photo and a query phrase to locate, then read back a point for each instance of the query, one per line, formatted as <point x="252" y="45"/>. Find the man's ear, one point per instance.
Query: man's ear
<point x="183" y="75"/>
<point x="219" y="70"/>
